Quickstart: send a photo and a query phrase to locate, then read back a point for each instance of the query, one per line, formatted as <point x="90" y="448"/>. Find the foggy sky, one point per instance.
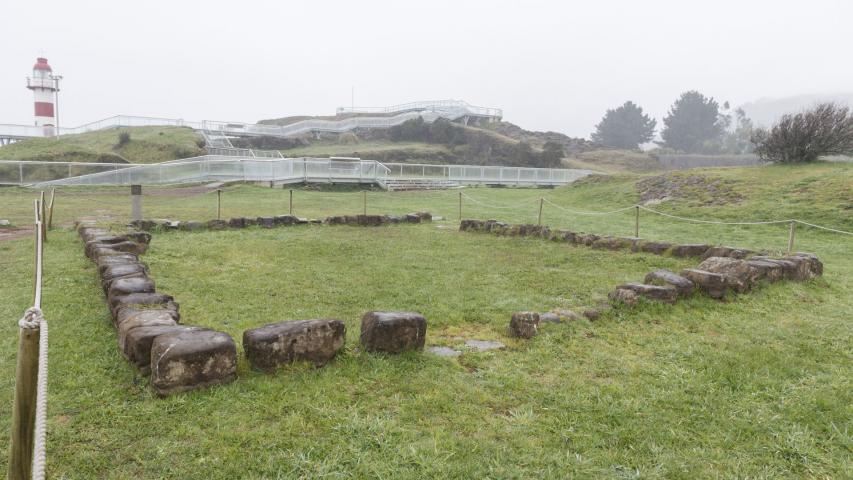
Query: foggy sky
<point x="549" y="65"/>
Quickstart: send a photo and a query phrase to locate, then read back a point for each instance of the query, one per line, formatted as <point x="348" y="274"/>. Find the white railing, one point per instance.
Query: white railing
<point x="279" y="170"/>
<point x="430" y="111"/>
<point x="14" y="172"/>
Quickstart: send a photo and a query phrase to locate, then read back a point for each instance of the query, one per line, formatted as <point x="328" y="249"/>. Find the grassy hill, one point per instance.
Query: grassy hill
<point x="146" y="145"/>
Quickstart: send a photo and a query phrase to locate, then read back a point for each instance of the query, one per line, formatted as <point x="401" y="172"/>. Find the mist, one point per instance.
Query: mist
<point x="549" y="65"/>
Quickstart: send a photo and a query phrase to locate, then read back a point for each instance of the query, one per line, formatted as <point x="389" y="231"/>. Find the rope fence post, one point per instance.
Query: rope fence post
<point x="22" y="445"/>
<point x="219" y="204"/>
<point x="291" y="202"/>
<point x="365" y="202"/>
<point x="637" y="222"/>
<point x="791" y="231"/>
<point x="460" y="206"/>
<point x="42" y="215"/>
<point x="541" y="202"/>
<point x="50" y="208"/>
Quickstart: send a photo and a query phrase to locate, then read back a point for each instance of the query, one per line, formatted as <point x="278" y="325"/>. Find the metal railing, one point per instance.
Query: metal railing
<point x="286" y="170"/>
<point x="15" y="172"/>
<point x="429" y="110"/>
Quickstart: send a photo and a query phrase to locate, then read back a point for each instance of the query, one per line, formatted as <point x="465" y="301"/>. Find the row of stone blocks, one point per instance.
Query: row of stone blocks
<point x="177" y="357"/>
<point x="181" y="357"/>
<point x="602" y="242"/>
<point x="719" y="275"/>
<point x="276" y="221"/>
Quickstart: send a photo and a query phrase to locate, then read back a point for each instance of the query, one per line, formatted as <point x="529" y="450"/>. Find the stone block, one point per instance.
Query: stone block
<point x="266" y="222"/>
<point x="137" y="343"/>
<point x="238" y="222"/>
<point x="623" y="296"/>
<point x="316" y="341"/>
<point x="125" y="286"/>
<point x="109" y="272"/>
<point x="738" y="253"/>
<point x="413" y="218"/>
<point x="188" y="360"/>
<point x="117" y="259"/>
<point x="663" y="277"/>
<point x="524" y="324"/>
<point x="125" y="313"/>
<point x="288" y="219"/>
<point x="611" y="243"/>
<point x="143" y="300"/>
<point x="666" y="294"/>
<point x="191" y="226"/>
<point x="714" y="284"/>
<point x="657" y="248"/>
<point x="143" y="318"/>
<point x="393" y="332"/>
<point x="689" y="250"/>
<point x="217" y="224"/>
<point x="143" y="224"/>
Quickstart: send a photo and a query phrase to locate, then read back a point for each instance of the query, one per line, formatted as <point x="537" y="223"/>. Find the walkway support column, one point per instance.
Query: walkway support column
<point x="136" y="202"/>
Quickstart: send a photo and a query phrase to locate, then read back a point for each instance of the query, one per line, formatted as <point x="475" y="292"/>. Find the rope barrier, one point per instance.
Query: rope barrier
<point x="488" y="205"/>
<point x="549" y="202"/>
<point x="713" y="222"/>
<point x="824" y="228"/>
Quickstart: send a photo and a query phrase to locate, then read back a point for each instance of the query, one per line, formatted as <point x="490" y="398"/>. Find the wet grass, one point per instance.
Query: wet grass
<point x="757" y="387"/>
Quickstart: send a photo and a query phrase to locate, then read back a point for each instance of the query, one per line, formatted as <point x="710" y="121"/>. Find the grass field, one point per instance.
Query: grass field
<point x="759" y="387"/>
<point x="146" y="145"/>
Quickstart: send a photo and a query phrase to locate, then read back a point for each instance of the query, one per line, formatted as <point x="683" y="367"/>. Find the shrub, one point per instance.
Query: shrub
<point x="827" y="129"/>
<point x="123" y="138"/>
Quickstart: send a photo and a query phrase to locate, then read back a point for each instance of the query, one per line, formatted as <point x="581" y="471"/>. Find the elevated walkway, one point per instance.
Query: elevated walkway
<point x="217" y="168"/>
<point x="218" y="132"/>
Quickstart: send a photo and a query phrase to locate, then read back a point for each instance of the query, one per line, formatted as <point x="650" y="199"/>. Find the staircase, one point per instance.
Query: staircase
<point x="399" y="184"/>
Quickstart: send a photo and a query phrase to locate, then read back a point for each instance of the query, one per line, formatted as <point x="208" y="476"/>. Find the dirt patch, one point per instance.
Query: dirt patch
<point x="698" y="189"/>
<point x="15" y="232"/>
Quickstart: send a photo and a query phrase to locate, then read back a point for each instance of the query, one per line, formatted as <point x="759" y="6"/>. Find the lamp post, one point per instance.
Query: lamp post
<point x="56" y="79"/>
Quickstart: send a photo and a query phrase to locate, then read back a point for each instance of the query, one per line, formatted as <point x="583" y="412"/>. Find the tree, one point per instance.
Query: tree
<point x="737" y="141"/>
<point x="625" y="127"/>
<point x="826" y="129"/>
<point x="552" y="155"/>
<point x="693" y="124"/>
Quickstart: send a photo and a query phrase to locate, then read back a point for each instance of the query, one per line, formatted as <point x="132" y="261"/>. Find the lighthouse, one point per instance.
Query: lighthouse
<point x="45" y="86"/>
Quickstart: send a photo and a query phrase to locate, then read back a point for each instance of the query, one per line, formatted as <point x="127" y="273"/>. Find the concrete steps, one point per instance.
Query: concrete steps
<point x="398" y="184"/>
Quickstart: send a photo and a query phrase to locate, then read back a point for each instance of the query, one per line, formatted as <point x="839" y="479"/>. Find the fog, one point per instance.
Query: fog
<point x="548" y="65"/>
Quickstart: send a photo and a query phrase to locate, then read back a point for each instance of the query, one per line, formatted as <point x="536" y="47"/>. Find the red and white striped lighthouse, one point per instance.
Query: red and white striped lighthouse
<point x="44" y="86"/>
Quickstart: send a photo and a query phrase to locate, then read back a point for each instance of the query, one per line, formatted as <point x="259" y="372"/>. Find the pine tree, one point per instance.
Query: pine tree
<point x="693" y="124"/>
<point x="625" y="127"/>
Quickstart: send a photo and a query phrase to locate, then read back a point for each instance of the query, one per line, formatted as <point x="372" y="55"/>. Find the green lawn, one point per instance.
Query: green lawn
<point x="758" y="387"/>
<point x="146" y="145"/>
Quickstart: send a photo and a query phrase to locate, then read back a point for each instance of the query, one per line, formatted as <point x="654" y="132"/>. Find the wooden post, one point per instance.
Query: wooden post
<point x="637" y="222"/>
<point x="460" y="206"/>
<point x="219" y="204"/>
<point x="792" y="230"/>
<point x="365" y="202"/>
<point x="26" y="381"/>
<point x="24" y="409"/>
<point x="136" y="202"/>
<point x="50" y="208"/>
<point x="291" y="202"/>
<point x="541" y="201"/>
<point x="42" y="216"/>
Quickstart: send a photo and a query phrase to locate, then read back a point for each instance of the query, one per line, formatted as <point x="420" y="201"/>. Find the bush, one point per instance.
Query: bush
<point x="123" y="138"/>
<point x="827" y="129"/>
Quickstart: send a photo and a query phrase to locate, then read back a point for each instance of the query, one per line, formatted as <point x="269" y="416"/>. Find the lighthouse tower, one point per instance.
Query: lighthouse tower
<point x="44" y="86"/>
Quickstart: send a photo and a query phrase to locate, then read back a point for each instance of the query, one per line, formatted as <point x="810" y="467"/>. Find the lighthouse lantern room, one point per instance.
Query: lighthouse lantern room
<point x="44" y="86"/>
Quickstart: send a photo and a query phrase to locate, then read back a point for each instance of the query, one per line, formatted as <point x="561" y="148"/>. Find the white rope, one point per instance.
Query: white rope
<point x="40" y="441"/>
<point x="714" y="222"/>
<point x="824" y="228"/>
<point x="490" y="206"/>
<point x="575" y="212"/>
